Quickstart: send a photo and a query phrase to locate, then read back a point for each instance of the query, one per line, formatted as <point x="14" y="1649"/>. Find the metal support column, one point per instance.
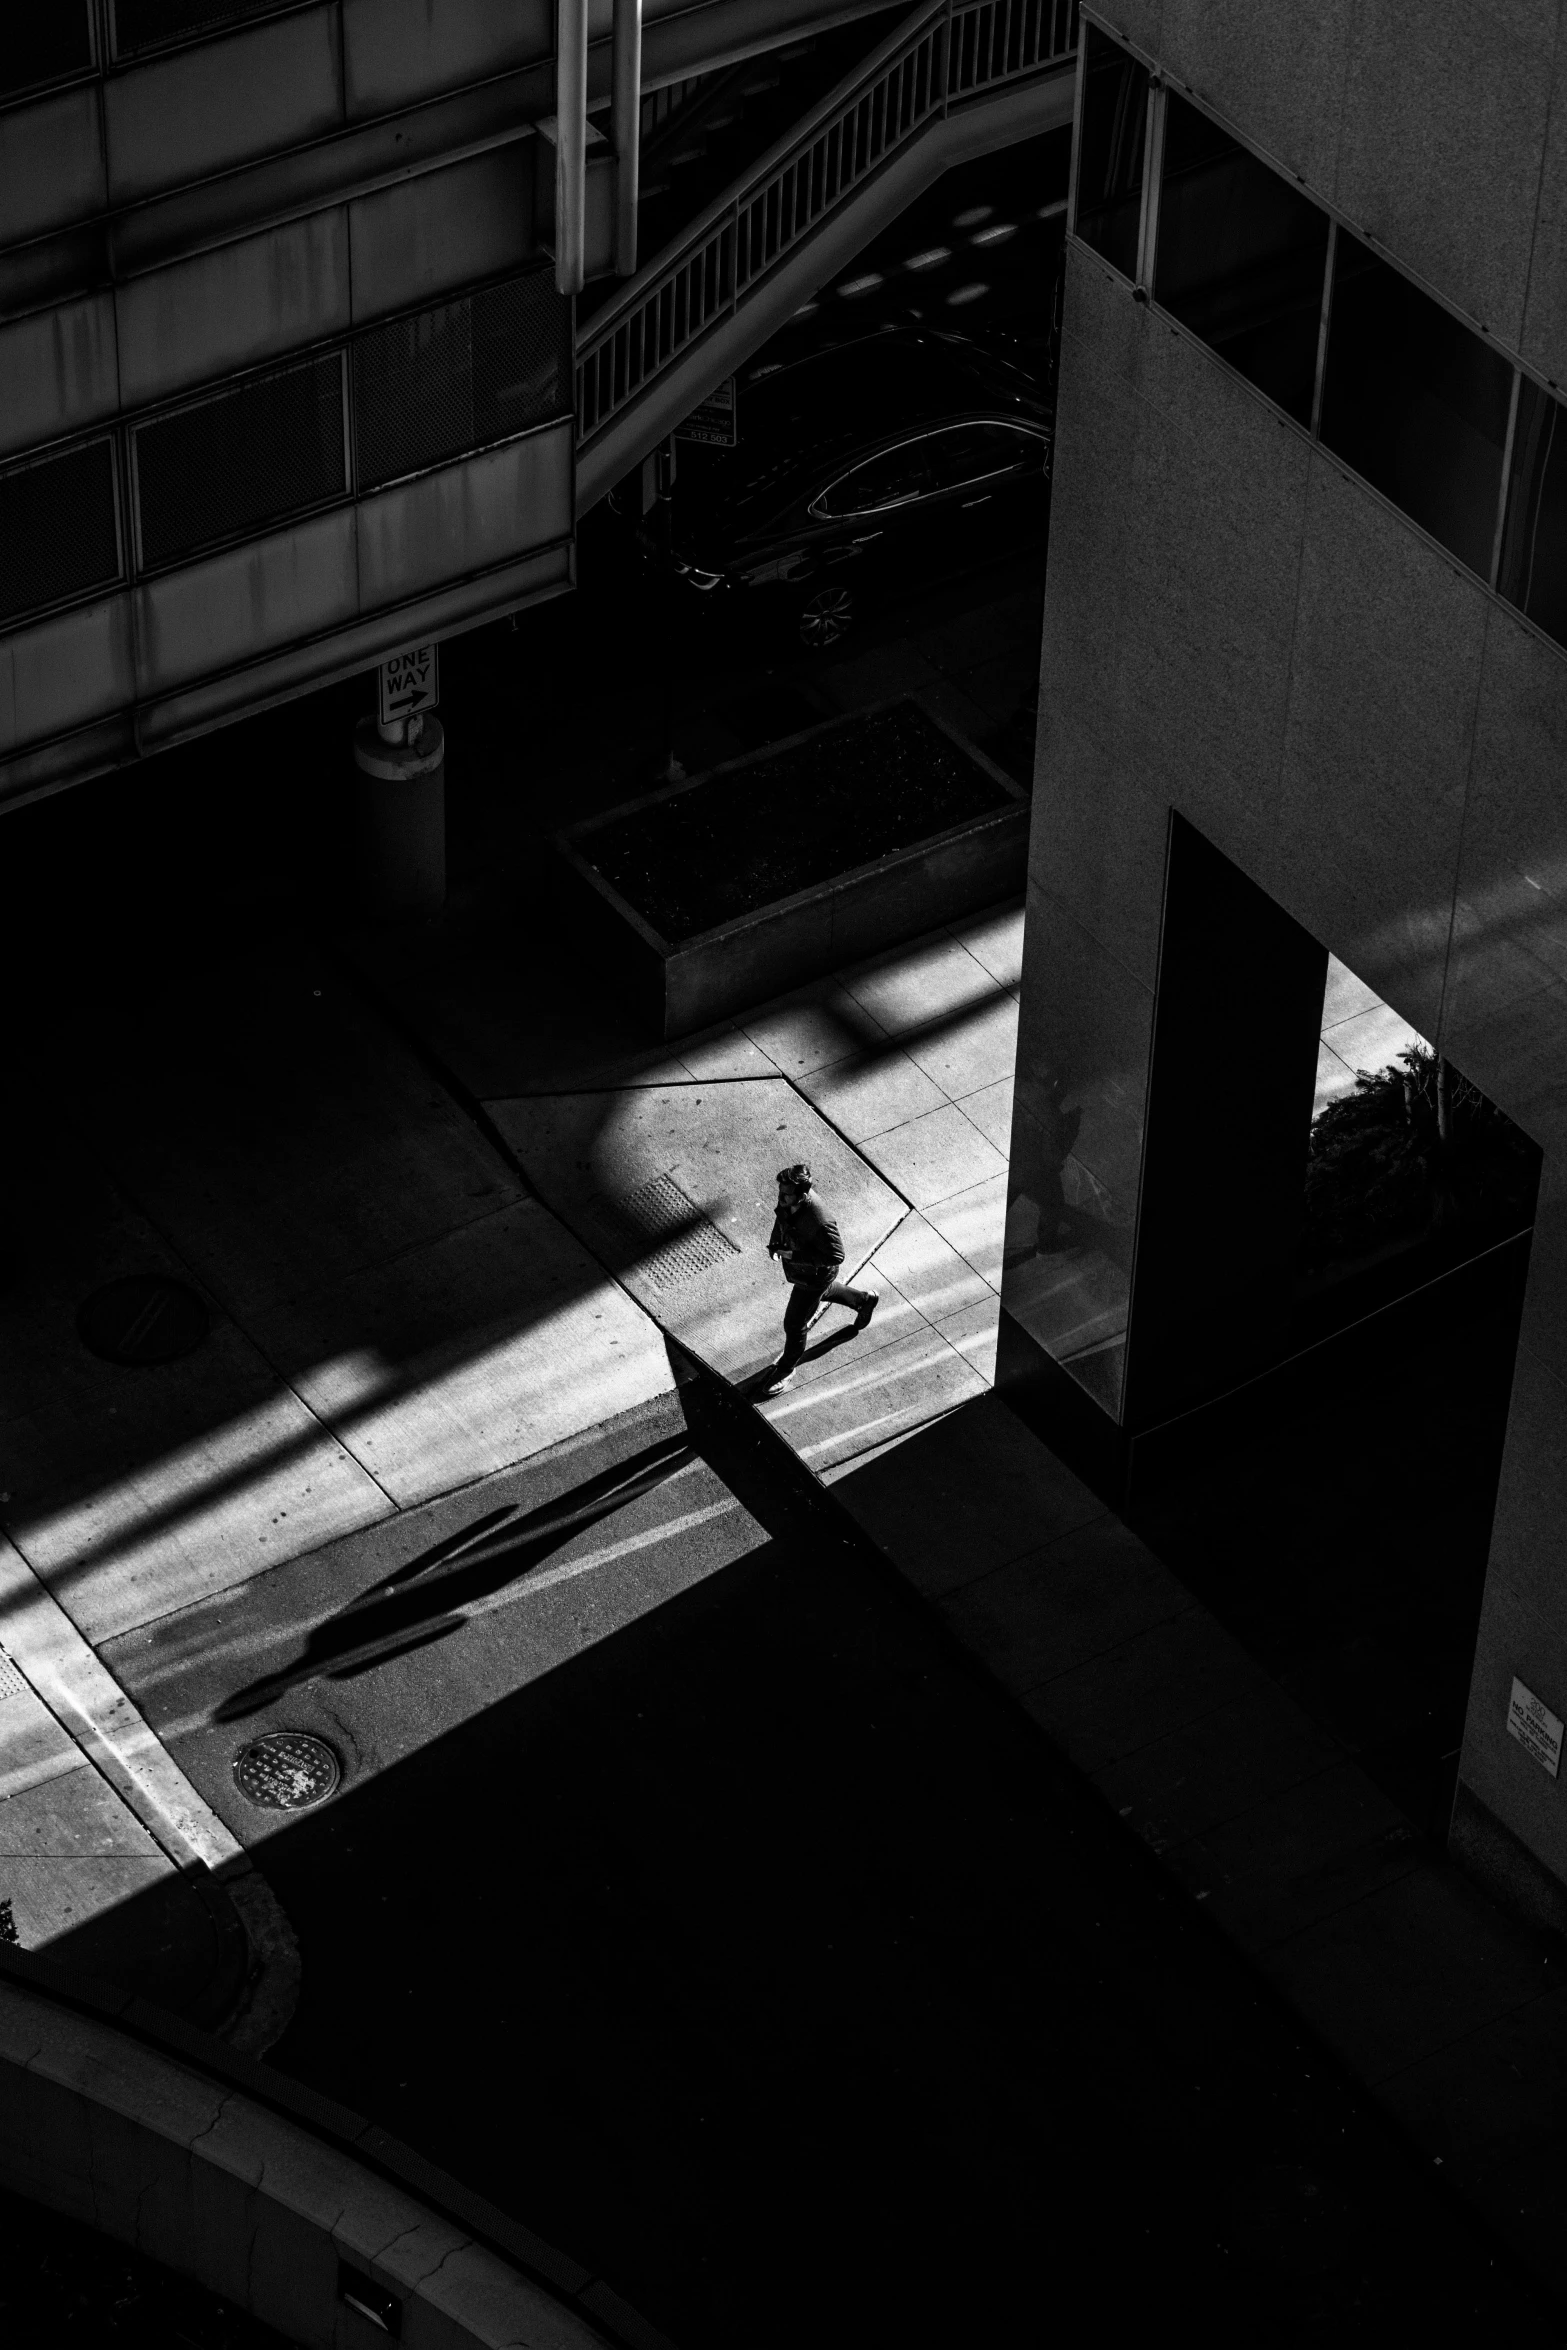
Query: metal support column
<point x="626" y="131"/>
<point x="571" y="118"/>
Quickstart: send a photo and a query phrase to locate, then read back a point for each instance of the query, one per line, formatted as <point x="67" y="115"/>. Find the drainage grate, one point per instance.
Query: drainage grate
<point x="287" y="1770"/>
<point x="667" y="1233"/>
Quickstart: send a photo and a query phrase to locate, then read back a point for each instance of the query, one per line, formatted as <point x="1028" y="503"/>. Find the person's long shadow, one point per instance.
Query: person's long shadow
<point x="421" y="1602"/>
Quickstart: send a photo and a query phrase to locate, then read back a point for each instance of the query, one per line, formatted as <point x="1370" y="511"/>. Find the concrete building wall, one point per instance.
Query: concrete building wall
<point x="1439" y="127"/>
<point x="1239" y="629"/>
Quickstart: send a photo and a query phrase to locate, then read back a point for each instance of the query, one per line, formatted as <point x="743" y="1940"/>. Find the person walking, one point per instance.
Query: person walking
<point x="809" y="1242"/>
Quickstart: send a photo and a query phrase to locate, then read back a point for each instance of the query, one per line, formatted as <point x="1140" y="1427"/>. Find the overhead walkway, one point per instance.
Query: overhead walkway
<point x="952" y="82"/>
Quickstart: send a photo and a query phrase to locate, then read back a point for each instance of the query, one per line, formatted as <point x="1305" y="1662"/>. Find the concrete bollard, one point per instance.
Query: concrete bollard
<point x="400" y="815"/>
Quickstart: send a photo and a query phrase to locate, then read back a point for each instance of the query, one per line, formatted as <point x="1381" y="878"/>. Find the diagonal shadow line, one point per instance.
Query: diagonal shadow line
<point x="341" y="1427"/>
<point x="421" y="1601"/>
<point x="340" y="1430"/>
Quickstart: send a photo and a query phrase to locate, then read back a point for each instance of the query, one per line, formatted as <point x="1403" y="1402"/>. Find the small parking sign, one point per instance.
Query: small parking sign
<point x="409" y="681"/>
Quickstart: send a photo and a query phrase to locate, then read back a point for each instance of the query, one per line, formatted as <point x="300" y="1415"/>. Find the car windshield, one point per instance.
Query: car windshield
<point x="800" y="424"/>
<point x="894" y="478"/>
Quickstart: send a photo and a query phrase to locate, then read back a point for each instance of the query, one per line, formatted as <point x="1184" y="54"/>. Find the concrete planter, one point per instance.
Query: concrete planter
<point x="693" y="981"/>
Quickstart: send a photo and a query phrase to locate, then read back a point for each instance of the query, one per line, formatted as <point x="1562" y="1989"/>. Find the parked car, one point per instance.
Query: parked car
<point x="894" y="457"/>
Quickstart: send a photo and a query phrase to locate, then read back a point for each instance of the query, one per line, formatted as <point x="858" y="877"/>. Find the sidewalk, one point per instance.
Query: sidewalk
<point x="391" y="1317"/>
<point x="397" y="1322"/>
<point x="894" y="1078"/>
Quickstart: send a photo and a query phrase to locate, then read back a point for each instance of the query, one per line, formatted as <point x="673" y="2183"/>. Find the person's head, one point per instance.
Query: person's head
<point x="793" y="1184"/>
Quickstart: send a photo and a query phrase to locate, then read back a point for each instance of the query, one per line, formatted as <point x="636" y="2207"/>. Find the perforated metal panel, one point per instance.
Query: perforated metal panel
<point x="147" y="24"/>
<point x="44" y="45"/>
<point x="270" y="448"/>
<point x="57" y="530"/>
<point x="473" y="371"/>
<point x="669" y="1237"/>
<point x="12" y="1681"/>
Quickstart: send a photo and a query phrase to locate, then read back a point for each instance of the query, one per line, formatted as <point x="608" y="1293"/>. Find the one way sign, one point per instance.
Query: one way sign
<point x="409" y="681"/>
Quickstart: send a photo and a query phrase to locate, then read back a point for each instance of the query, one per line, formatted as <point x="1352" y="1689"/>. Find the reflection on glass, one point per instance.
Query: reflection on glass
<point x="1416" y="403"/>
<point x="1241" y="258"/>
<point x="1534" y="542"/>
<point x="1110" y="152"/>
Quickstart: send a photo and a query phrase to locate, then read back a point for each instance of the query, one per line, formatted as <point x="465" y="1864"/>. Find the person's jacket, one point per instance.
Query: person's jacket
<point x="807" y="1239"/>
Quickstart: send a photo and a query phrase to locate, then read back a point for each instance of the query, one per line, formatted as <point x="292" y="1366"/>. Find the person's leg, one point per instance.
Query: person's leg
<point x="863" y="1301"/>
<point x="804" y="1298"/>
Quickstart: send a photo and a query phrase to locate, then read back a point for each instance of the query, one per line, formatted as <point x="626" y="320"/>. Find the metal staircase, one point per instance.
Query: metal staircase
<point x="956" y="79"/>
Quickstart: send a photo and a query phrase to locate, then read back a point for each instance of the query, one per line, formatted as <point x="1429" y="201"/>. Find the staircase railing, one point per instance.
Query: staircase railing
<point x="946" y="54"/>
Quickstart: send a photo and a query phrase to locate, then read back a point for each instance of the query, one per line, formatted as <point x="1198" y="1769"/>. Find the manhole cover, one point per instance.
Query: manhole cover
<point x="146" y="1318"/>
<point x="287" y="1770"/>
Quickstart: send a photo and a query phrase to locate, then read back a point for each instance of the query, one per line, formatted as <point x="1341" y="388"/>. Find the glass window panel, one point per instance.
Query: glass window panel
<point x="1241" y="258"/>
<point x="1415" y="402"/>
<point x="979" y="452"/>
<point x="1110" y="152"/>
<point x="891" y="479"/>
<point x="1534" y="543"/>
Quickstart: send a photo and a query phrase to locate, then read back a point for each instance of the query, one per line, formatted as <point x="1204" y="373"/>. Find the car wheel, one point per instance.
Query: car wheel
<point x="828" y="616"/>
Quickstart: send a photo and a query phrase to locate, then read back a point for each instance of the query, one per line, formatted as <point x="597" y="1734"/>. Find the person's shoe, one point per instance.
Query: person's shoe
<point x="862" y="1318"/>
<point x="774" y="1382"/>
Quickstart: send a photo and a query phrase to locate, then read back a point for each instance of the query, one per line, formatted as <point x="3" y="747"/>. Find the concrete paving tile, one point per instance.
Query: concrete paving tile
<point x="73" y="1815"/>
<point x="931" y="979"/>
<point x="1214" y="1768"/>
<point x="225" y="1497"/>
<point x="919" y="1501"/>
<point x="1495" y="2096"/>
<point x="936" y="1156"/>
<point x="1037" y="1617"/>
<point x="974" y="1332"/>
<point x="1524" y="2200"/>
<point x="1003" y="685"/>
<point x="990" y="1109"/>
<point x="54" y="1894"/>
<point x="975" y="1223"/>
<point x="977" y="636"/>
<point x="70" y="1678"/>
<point x="468" y="1354"/>
<point x="833" y="1419"/>
<point x="33" y="1747"/>
<point x="872" y="1092"/>
<point x="995" y="940"/>
<point x="720" y="1147"/>
<point x="968" y="717"/>
<point x="927" y="1270"/>
<point x="836" y="1471"/>
<point x="806" y="1031"/>
<point x="310" y="1144"/>
<point x="893" y="1321"/>
<point x="882" y="675"/>
<point x="1164" y="1677"/>
<point x="971" y="1049"/>
<point x="1413" y="1968"/>
<point x="1298" y="1855"/>
<point x="731" y="1053"/>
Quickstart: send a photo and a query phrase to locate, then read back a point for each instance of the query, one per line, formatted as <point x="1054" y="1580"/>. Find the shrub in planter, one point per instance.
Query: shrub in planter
<point x="1413" y="1152"/>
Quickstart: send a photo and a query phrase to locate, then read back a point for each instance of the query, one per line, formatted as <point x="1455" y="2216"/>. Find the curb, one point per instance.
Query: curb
<point x="278" y="2199"/>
